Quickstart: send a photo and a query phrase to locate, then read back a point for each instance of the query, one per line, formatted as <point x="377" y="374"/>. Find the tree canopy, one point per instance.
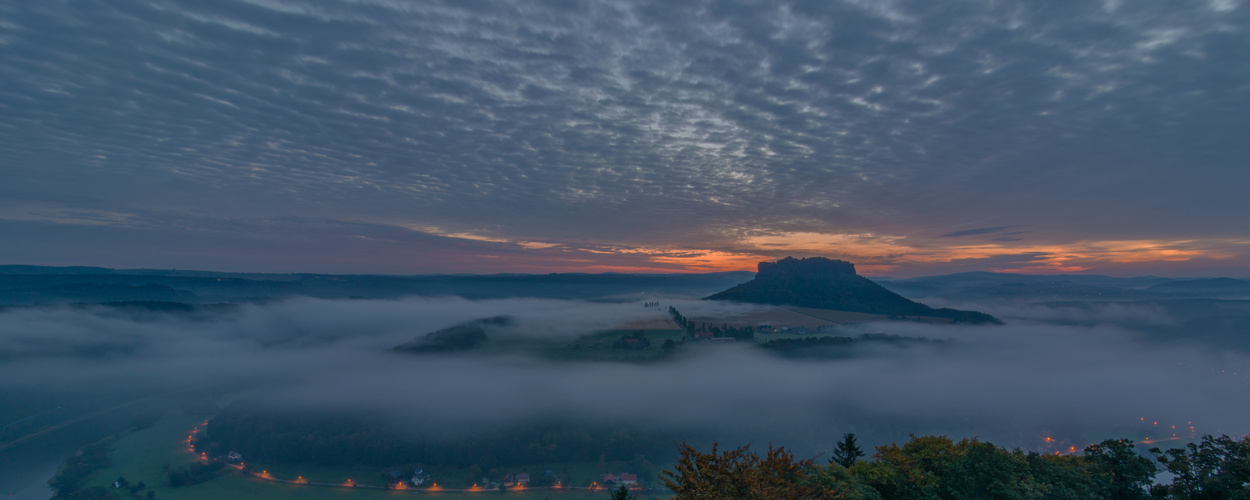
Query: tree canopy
<point x="938" y="468"/>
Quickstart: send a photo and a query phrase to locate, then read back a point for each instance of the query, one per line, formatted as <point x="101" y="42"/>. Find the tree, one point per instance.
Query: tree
<point x="1062" y="477"/>
<point x="1215" y="468"/>
<point x="983" y="470"/>
<point x="847" y="452"/>
<point x="740" y="474"/>
<point x="836" y="482"/>
<point x="1123" y="474"/>
<point x="912" y="471"/>
<point x="622" y="493"/>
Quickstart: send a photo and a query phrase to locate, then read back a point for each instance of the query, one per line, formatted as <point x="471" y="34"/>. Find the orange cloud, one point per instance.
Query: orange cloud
<point x="882" y="253"/>
<point x="710" y="260"/>
<point x="872" y="253"/>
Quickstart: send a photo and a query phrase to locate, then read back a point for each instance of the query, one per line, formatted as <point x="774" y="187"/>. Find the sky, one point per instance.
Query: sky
<point x="397" y="136"/>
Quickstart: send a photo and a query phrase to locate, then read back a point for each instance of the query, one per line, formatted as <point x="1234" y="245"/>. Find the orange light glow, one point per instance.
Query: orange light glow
<point x="884" y="252"/>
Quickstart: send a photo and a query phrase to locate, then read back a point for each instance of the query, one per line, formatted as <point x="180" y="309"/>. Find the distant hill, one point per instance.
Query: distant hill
<point x="833" y="284"/>
<point x="987" y="286"/>
<point x="1204" y="286"/>
<point x="28" y="285"/>
<point x="94" y="292"/>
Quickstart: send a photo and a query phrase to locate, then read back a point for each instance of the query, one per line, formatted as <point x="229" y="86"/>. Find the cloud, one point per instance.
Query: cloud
<point x="977" y="232"/>
<point x="1011" y="384"/>
<point x="670" y="125"/>
<point x="881" y="253"/>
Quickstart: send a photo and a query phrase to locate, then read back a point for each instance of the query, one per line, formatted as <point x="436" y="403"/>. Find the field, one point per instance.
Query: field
<point x="141" y="456"/>
<point x="599" y="346"/>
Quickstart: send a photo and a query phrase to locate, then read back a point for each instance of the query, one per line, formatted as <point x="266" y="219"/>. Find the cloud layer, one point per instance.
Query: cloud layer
<point x="663" y="134"/>
<point x="1012" y="384"/>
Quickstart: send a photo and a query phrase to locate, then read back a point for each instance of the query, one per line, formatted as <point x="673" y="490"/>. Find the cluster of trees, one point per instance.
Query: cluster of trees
<point x="123" y="483"/>
<point x="74" y="471"/>
<point x="937" y="468"/>
<point x="633" y="341"/>
<point x="194" y="474"/>
<point x="681" y="321"/>
<point x="343" y="440"/>
<point x="1214" y="468"/>
<point x="740" y="333"/>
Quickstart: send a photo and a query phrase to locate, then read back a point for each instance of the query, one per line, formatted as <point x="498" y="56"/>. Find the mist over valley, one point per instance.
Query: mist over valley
<point x="1051" y="375"/>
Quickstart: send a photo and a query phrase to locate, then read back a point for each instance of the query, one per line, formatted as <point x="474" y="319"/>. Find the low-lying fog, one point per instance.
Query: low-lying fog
<point x="1039" y="375"/>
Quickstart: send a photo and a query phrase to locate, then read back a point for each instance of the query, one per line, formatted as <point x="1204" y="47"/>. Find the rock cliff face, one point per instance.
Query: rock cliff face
<point x="832" y="284"/>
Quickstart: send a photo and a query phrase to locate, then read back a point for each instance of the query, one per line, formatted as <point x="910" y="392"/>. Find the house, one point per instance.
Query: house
<point x="420" y="477"/>
<point x="522" y="479"/>
<point x="233" y="457"/>
<point x="628" y="479"/>
<point x="508" y="481"/>
<point x="609" y="478"/>
<point x="703" y="335"/>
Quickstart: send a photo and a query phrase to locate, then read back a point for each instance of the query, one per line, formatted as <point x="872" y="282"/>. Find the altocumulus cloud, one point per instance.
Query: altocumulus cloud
<point x="651" y="125"/>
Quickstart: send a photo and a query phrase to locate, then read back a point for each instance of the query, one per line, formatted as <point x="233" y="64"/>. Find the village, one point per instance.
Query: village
<point x="420" y="479"/>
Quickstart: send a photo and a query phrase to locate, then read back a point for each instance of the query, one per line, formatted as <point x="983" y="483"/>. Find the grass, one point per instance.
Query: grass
<point x="598" y="346"/>
<point x="141" y="455"/>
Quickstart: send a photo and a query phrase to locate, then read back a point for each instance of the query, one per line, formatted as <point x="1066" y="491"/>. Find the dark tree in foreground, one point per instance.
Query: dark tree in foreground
<point x="847" y="452"/>
<point x="1216" y="468"/>
<point x="622" y="493"/>
<point x="740" y="474"/>
<point x="938" y="468"/>
<point x="1123" y="473"/>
